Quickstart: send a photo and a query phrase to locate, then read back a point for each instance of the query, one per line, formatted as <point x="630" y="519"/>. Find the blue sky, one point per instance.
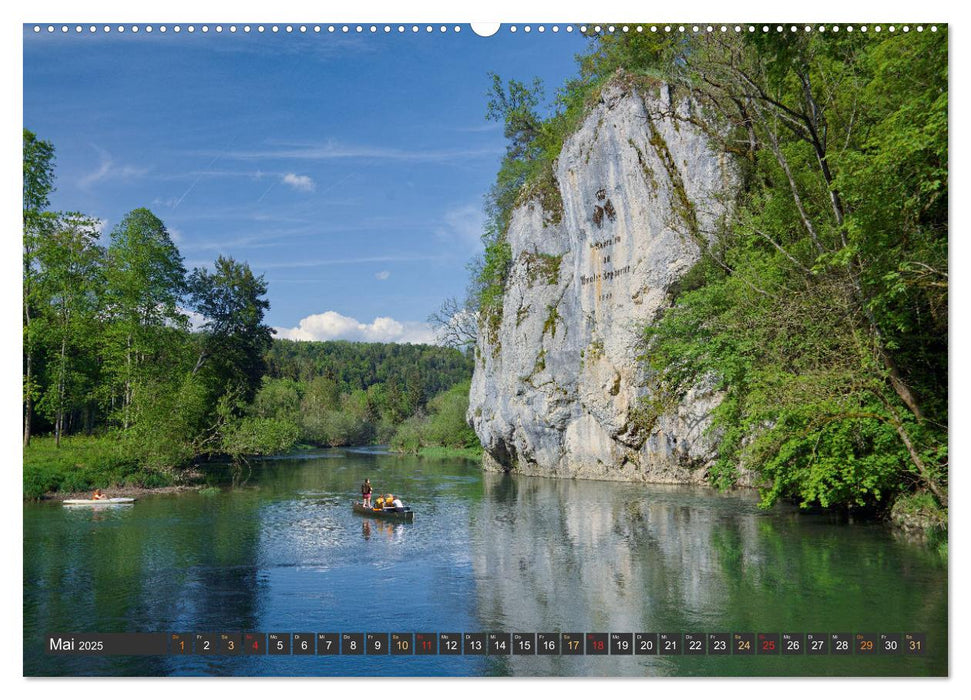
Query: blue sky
<point x="349" y="169"/>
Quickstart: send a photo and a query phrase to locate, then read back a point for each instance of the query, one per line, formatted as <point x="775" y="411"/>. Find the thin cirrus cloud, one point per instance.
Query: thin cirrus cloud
<point x="301" y="183"/>
<point x="351" y="261"/>
<point x="109" y="169"/>
<point x="335" y="151"/>
<point x="462" y="227"/>
<point x="383" y="275"/>
<point x="331" y="325"/>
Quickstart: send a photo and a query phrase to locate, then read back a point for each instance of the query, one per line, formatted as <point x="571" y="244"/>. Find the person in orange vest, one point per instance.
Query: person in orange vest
<point x="97" y="495"/>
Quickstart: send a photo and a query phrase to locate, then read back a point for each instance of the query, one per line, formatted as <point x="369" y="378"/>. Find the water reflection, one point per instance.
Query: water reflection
<point x="486" y="553"/>
<point x="561" y="555"/>
<point x="391" y="532"/>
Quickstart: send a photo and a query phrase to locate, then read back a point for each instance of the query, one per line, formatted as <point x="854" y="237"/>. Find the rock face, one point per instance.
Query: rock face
<point x="556" y="385"/>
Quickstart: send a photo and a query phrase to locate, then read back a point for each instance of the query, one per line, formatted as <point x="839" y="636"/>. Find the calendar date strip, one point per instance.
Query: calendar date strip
<point x="489" y="644"/>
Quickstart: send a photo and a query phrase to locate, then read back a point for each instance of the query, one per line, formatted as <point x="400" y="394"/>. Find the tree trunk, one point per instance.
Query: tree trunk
<point x="59" y="422"/>
<point x="127" y="398"/>
<point x="27" y="401"/>
<point x="28" y="394"/>
<point x="922" y="469"/>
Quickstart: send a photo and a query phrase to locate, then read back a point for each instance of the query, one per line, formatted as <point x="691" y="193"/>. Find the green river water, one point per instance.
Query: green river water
<point x="283" y="552"/>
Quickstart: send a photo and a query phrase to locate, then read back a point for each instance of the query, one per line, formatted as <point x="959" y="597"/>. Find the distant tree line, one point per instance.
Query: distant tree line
<point x="344" y="393"/>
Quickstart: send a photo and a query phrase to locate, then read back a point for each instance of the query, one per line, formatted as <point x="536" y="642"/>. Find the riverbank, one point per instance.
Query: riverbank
<point x="917" y="517"/>
<point x="451" y="452"/>
<point x="84" y="463"/>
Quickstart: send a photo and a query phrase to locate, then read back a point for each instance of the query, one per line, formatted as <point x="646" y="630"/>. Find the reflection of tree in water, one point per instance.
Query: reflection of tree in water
<point x="165" y="565"/>
<point x="813" y="573"/>
<point x="564" y="555"/>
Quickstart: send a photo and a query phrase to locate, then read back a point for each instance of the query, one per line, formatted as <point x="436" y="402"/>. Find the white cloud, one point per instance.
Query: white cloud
<point x="331" y="325"/>
<point x="301" y="183"/>
<point x="383" y="275"/>
<point x="196" y="320"/>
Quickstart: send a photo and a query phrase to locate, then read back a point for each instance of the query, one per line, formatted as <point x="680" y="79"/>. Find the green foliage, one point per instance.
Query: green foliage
<point x="356" y="366"/>
<point x="69" y="282"/>
<point x="38" y="173"/>
<point x="144" y="284"/>
<point x="234" y="338"/>
<point x="447" y="425"/>
<point x="819" y="310"/>
<point x="277" y="398"/>
<point x="175" y="423"/>
<point x="38" y="163"/>
<point x="443" y="426"/>
<point x="543" y="267"/>
<point x="473" y="453"/>
<point x="515" y="105"/>
<point x="334" y="428"/>
<point x="552" y="316"/>
<point x="252" y="436"/>
<point x="491" y="283"/>
<point x="145" y="274"/>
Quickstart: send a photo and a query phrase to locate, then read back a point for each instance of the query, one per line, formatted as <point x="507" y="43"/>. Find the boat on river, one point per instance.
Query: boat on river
<point x="407" y="515"/>
<point x="99" y="501"/>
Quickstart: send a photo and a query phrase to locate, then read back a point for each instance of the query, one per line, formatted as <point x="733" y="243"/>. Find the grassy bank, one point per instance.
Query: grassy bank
<point x="82" y="464"/>
<point x="451" y="452"/>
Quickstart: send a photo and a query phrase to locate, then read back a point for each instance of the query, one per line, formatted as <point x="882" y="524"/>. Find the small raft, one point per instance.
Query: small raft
<point x="99" y="501"/>
<point x="407" y="515"/>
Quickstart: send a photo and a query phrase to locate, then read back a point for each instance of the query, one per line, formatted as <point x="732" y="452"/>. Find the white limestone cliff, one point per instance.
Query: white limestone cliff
<point x="555" y="387"/>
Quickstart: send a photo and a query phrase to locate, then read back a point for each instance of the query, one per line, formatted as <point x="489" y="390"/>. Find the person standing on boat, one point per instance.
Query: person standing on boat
<point x="366" y="492"/>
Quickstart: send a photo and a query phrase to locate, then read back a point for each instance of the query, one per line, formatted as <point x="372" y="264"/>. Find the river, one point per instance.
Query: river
<point x="282" y="552"/>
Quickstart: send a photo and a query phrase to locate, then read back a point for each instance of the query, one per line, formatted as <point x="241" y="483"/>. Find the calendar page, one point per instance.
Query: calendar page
<point x="544" y="349"/>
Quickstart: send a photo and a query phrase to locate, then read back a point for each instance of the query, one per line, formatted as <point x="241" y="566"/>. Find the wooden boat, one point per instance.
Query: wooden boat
<point x="406" y="516"/>
<point x="99" y="501"/>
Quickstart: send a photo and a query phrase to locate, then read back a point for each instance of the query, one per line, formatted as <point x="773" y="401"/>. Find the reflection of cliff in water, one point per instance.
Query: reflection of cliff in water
<point x="584" y="556"/>
<point x="555" y="555"/>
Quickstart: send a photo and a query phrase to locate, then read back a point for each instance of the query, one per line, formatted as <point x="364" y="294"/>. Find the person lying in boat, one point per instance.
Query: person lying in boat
<point x="97" y="495"/>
